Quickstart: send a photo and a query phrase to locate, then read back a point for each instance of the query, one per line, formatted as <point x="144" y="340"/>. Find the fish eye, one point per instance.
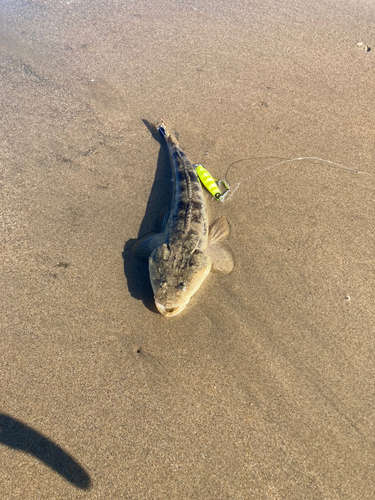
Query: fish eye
<point x="182" y="286"/>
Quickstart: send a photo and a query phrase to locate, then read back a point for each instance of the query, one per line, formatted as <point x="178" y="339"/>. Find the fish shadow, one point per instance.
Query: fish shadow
<point x="136" y="272"/>
<point x="19" y="436"/>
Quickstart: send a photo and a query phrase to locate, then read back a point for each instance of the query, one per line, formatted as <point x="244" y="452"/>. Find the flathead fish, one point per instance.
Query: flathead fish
<point x="182" y="254"/>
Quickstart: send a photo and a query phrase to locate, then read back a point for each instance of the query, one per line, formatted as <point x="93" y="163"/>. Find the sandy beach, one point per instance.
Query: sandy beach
<point x="264" y="387"/>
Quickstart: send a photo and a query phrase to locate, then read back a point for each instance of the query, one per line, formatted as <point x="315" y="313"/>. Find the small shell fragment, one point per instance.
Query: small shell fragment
<point x="363" y="46"/>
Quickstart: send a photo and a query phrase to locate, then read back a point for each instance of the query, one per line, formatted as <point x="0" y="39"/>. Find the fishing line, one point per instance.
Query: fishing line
<point x="231" y="193"/>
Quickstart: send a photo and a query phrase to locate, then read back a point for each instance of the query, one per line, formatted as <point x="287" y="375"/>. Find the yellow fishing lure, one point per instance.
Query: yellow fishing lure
<point x="212" y="185"/>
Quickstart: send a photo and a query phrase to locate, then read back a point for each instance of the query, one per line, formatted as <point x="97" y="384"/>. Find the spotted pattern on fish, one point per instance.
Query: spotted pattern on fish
<point x="189" y="217"/>
<point x="180" y="257"/>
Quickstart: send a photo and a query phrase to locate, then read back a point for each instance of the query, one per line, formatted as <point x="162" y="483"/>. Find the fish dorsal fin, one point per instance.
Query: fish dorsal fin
<point x="221" y="257"/>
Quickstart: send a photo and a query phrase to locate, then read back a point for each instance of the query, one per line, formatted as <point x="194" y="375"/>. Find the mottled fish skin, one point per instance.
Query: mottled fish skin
<point x="180" y="264"/>
<point x="183" y="253"/>
<point x="188" y="221"/>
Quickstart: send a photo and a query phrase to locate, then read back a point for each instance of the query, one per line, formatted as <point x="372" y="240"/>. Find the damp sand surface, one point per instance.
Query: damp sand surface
<point x="264" y="387"/>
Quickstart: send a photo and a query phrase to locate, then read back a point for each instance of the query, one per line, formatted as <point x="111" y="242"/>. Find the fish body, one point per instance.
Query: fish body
<point x="181" y="256"/>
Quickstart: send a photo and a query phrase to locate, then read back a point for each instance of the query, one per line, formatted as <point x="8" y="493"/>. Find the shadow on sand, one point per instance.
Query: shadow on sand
<point x="19" y="436"/>
<point x="136" y="272"/>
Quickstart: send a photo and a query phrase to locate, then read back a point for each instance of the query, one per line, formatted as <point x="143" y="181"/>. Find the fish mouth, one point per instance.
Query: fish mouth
<point x="169" y="311"/>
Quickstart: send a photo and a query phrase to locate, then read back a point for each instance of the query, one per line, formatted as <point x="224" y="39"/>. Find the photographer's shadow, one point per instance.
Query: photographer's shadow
<point x="20" y="436"/>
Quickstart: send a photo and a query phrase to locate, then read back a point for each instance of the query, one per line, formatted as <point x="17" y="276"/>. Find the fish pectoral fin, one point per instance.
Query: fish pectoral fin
<point x="218" y="231"/>
<point x="221" y="258"/>
<point x="145" y="246"/>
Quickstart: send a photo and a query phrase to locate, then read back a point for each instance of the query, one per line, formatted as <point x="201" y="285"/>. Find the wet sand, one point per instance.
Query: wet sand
<point x="264" y="387"/>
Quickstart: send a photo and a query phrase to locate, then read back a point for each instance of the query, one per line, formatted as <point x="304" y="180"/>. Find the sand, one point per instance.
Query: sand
<point x="264" y="387"/>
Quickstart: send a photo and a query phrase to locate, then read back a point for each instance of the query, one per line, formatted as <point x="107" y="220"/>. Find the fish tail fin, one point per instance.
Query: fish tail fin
<point x="163" y="130"/>
<point x="167" y="135"/>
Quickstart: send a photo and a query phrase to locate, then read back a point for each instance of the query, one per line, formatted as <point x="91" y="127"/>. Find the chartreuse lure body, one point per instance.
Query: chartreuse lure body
<point x="212" y="185"/>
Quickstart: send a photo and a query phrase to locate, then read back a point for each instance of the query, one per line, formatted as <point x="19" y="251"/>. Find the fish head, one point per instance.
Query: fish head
<point x="175" y="277"/>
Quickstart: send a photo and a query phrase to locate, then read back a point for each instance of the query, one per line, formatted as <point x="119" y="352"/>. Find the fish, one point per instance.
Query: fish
<point x="182" y="254"/>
